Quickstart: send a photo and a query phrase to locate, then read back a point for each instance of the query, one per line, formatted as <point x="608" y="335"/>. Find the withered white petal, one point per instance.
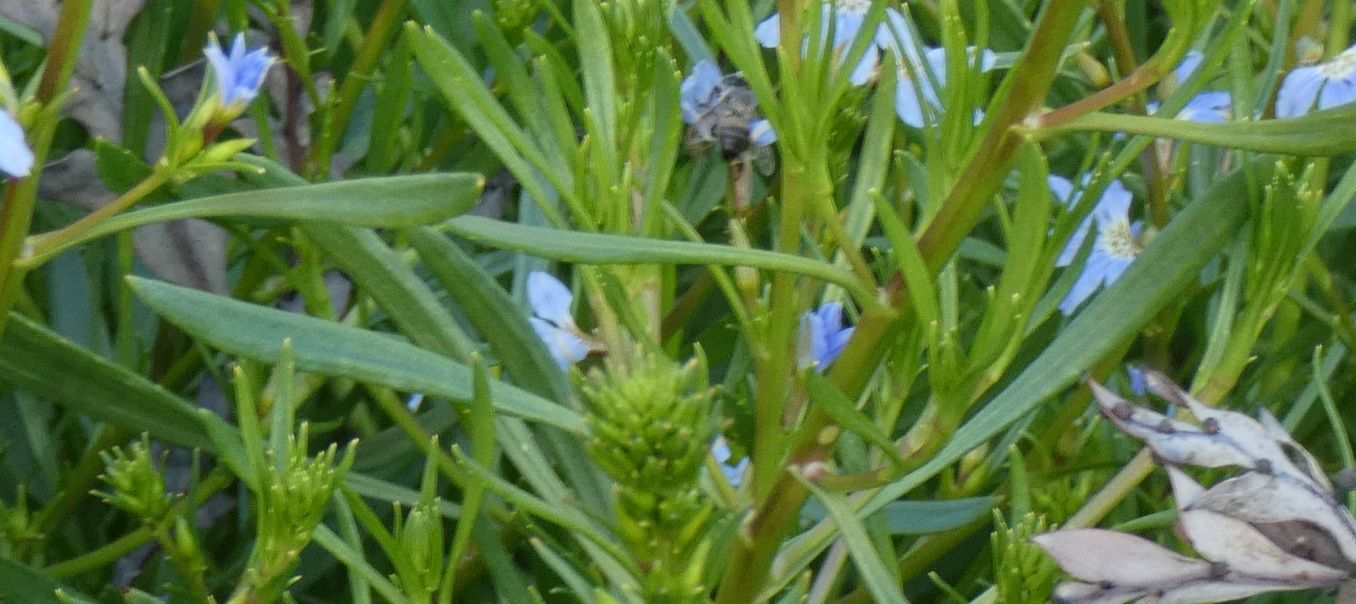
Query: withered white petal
<point x="1245" y="551"/>
<point x="1261" y="498"/>
<point x="1108" y="557"/>
<point x="1298" y="455"/>
<point x="1185" y="489"/>
<point x="1173" y="440"/>
<point x="1244" y="433"/>
<point x="1208" y="592"/>
<point x="1074" y="592"/>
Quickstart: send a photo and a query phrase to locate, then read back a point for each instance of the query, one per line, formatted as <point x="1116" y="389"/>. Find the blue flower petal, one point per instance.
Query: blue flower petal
<point x="761" y="133"/>
<point x="822" y="336"/>
<point x="1337" y="92"/>
<point x="550" y="299"/>
<point x="907" y="105"/>
<point x="866" y="68"/>
<point x="1298" y="92"/>
<point x="699" y="89"/>
<point x="1208" y="108"/>
<point x="847" y="23"/>
<point x="1087" y="283"/>
<point x="16" y="159"/>
<point x="734" y="473"/>
<point x="896" y="35"/>
<point x="769" y="32"/>
<point x="238" y="73"/>
<point x="1188" y="66"/>
<point x="1114" y="204"/>
<point x="565" y="347"/>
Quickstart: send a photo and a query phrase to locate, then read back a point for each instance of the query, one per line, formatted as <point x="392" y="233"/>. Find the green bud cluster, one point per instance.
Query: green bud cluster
<point x="17" y="530"/>
<point x="639" y="33"/>
<point x="1023" y="574"/>
<point x="1059" y="499"/>
<point x="292" y="502"/>
<point x="420" y="536"/>
<point x="136" y="486"/>
<point x="651" y="427"/>
<point x="514" y="15"/>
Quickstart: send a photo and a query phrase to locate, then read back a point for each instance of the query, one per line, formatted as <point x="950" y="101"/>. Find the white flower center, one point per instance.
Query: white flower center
<point x="1341" y="67"/>
<point x="1117" y="241"/>
<point x="854" y="6"/>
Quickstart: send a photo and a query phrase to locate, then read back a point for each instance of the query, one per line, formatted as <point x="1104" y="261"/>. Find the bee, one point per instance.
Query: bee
<point x="728" y="121"/>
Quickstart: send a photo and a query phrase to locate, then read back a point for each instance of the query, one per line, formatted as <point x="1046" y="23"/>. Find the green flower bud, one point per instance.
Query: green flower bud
<point x="514" y="15"/>
<point x="1023" y="574"/>
<point x="421" y="537"/>
<point x="650" y="421"/>
<point x="136" y="486"/>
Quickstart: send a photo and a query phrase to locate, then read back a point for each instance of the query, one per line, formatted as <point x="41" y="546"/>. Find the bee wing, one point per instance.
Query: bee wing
<point x="764" y="160"/>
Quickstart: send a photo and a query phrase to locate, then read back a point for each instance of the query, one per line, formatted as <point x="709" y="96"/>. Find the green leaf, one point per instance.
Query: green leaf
<point x="882" y="584"/>
<point x="57" y="370"/>
<point x="20" y="583"/>
<point x="493" y="313"/>
<point x="465" y="92"/>
<point x="838" y="407"/>
<point x="335" y="350"/>
<point x="396" y="201"/>
<point x="595" y="63"/>
<point x="595" y="248"/>
<point x="1321" y="133"/>
<point x="381" y="273"/>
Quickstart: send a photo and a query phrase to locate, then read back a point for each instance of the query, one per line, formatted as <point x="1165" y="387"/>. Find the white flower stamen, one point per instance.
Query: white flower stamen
<point x="1118" y="241"/>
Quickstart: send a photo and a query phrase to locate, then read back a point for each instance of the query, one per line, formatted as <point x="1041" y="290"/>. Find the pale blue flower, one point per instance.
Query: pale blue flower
<point x="1138" y="386"/>
<point x="239" y="74"/>
<point x="917" y="97"/>
<point x="554" y="323"/>
<point x="416" y="400"/>
<point x="1215" y="107"/>
<point x="16" y="159"/>
<point x="847" y="21"/>
<point x="1115" y="193"/>
<point x="700" y="93"/>
<point x="1116" y="247"/>
<point x="1325" y="85"/>
<point x="734" y="473"/>
<point x="761" y="133"/>
<point x="1188" y="66"/>
<point x="823" y="337"/>
<point x="700" y="90"/>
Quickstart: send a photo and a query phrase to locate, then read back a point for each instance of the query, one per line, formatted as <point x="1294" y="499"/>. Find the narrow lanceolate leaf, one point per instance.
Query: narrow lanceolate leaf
<point x="59" y="371"/>
<point x="595" y="248"/>
<point x="381" y="273"/>
<point x="330" y="349"/>
<point x="493" y="313"/>
<point x="395" y="202"/>
<point x="882" y="583"/>
<point x="1316" y="134"/>
<point x="831" y="400"/>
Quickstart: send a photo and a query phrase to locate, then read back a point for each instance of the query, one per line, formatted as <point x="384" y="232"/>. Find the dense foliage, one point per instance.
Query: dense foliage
<point x="676" y="301"/>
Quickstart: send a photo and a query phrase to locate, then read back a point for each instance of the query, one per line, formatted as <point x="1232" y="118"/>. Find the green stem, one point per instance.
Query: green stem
<point x="20" y="196"/>
<point x="110" y="553"/>
<point x="43" y="244"/>
<point x="61" y="55"/>
<point x="375" y="45"/>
